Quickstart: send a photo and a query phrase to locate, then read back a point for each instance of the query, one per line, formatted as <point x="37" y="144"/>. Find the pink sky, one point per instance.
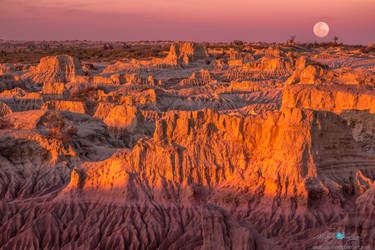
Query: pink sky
<point x="353" y="21"/>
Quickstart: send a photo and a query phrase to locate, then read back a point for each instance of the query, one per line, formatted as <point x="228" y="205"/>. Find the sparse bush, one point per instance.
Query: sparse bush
<point x="57" y="127"/>
<point x="55" y="124"/>
<point x="5" y="124"/>
<point x="237" y="43"/>
<point x="107" y="46"/>
<point x="3" y="53"/>
<point x="292" y="39"/>
<point x="146" y="87"/>
<point x="335" y="39"/>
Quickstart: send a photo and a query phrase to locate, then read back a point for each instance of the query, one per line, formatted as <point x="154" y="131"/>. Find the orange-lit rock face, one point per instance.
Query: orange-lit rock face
<point x="56" y="69"/>
<point x="334" y="98"/>
<point x="278" y="65"/>
<point x="123" y="116"/>
<point x="197" y="78"/>
<point x="309" y="72"/>
<point x="236" y="152"/>
<point x="4" y="109"/>
<point x="72" y="106"/>
<point x="185" y="53"/>
<point x="249" y="146"/>
<point x="53" y="88"/>
<point x="7" y="68"/>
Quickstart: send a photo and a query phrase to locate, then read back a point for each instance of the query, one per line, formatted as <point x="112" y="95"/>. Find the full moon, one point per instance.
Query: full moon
<point x="321" y="29"/>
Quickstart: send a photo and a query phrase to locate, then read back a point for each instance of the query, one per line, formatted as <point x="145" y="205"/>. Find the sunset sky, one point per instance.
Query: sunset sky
<point x="353" y="21"/>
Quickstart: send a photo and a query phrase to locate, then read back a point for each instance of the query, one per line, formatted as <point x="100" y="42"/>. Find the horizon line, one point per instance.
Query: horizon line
<point x="196" y="41"/>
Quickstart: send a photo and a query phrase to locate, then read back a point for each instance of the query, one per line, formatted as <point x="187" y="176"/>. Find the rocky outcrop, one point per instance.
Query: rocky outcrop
<point x="239" y="153"/>
<point x="63" y="134"/>
<point x="362" y="124"/>
<point x="357" y="76"/>
<point x="120" y="66"/>
<point x="136" y="66"/>
<point x="60" y="105"/>
<point x="97" y="81"/>
<point x="307" y="72"/>
<point x="334" y="98"/>
<point x="89" y="68"/>
<point x="24" y="103"/>
<point x="38" y="150"/>
<point x="185" y="53"/>
<point x="16" y="92"/>
<point x="274" y="51"/>
<point x="53" y="69"/>
<point x="7" y="68"/>
<point x="8" y="82"/>
<point x="4" y="109"/>
<point x="19" y="100"/>
<point x="50" y="88"/>
<point x="147" y="97"/>
<point x="123" y="116"/>
<point x="201" y="77"/>
<point x="274" y="64"/>
<point x="103" y="109"/>
<point x="125" y="123"/>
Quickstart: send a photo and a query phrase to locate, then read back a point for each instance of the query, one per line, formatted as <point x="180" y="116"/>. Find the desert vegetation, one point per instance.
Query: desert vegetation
<point x="32" y="52"/>
<point x="57" y="127"/>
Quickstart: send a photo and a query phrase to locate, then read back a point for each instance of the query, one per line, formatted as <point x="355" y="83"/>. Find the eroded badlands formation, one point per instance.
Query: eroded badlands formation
<point x="263" y="147"/>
